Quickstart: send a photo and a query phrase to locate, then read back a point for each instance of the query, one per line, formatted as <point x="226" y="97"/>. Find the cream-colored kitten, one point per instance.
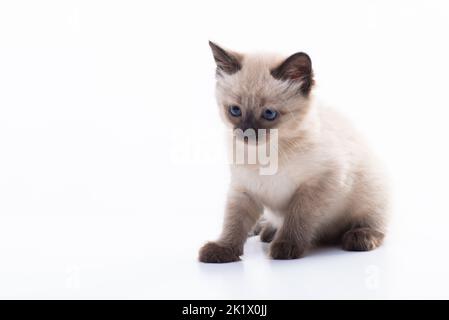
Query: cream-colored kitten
<point x="327" y="188"/>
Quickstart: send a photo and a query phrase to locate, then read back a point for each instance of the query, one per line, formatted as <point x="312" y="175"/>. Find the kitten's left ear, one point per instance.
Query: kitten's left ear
<point x="297" y="67"/>
<point x="226" y="61"/>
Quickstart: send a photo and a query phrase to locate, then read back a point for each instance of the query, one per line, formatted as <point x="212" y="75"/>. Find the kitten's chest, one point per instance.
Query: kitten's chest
<point x="274" y="191"/>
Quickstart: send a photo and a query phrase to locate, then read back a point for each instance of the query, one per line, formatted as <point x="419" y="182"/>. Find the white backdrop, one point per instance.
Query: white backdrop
<point x="110" y="145"/>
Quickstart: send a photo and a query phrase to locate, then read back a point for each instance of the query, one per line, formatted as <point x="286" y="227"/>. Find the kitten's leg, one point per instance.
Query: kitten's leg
<point x="292" y="239"/>
<point x="368" y="211"/>
<point x="242" y="212"/>
<point x="295" y="235"/>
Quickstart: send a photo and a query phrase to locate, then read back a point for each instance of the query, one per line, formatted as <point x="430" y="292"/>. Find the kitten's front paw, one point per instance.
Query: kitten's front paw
<point x="284" y="250"/>
<point x="212" y="252"/>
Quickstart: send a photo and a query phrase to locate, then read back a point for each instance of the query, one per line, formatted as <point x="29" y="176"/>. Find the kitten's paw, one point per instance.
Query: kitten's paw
<point x="284" y="250"/>
<point x="212" y="252"/>
<point x="267" y="234"/>
<point x="362" y="239"/>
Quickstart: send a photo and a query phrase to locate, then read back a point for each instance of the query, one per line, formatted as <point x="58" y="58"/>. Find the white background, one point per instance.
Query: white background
<point x="111" y="171"/>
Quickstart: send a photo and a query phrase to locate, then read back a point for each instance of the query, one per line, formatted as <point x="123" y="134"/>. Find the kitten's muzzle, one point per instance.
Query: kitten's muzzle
<point x="247" y="129"/>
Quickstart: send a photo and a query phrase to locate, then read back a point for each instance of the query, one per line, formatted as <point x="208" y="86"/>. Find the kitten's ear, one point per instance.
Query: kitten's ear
<point x="227" y="62"/>
<point x="297" y="67"/>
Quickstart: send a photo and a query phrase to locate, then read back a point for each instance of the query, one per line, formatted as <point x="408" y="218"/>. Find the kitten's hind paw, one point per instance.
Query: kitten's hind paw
<point x="212" y="252"/>
<point x="362" y="239"/>
<point x="267" y="234"/>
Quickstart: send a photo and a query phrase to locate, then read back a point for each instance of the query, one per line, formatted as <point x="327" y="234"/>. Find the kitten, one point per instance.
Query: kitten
<point x="327" y="188"/>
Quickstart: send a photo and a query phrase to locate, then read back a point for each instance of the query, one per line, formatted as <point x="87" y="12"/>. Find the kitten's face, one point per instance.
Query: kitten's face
<point x="261" y="91"/>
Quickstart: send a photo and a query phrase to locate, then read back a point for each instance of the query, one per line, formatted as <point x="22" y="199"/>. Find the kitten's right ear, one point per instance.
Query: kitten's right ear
<point x="226" y="62"/>
<point x="297" y="67"/>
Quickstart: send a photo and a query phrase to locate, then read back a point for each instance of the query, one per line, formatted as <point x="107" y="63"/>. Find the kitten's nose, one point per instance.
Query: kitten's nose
<point x="248" y="123"/>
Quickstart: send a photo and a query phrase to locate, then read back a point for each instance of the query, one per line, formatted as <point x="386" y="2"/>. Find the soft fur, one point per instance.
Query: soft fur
<point x="328" y="187"/>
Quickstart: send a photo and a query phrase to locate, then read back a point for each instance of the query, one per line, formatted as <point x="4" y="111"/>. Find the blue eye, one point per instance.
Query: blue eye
<point x="235" y="111"/>
<point x="269" y="114"/>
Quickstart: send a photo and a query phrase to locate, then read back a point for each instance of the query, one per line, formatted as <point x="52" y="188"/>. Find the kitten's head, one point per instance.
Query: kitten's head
<point x="263" y="91"/>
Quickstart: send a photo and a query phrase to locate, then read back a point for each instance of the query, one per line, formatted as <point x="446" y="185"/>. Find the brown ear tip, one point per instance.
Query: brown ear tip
<point x="302" y="55"/>
<point x="212" y="44"/>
